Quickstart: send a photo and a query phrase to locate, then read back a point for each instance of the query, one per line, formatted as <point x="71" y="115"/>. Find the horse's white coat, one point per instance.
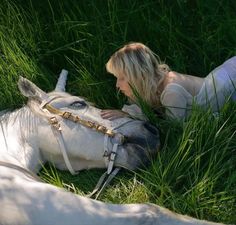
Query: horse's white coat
<point x="26" y="140"/>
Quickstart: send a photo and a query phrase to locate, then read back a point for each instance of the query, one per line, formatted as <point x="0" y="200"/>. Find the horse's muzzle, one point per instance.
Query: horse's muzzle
<point x="140" y="147"/>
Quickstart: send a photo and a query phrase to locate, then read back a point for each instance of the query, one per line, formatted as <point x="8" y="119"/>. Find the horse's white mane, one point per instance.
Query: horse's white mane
<point x="23" y="115"/>
<point x="8" y="114"/>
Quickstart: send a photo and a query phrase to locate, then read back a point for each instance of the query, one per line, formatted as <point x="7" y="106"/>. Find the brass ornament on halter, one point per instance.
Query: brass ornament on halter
<point x="66" y="115"/>
<point x="76" y="119"/>
<point x="54" y="122"/>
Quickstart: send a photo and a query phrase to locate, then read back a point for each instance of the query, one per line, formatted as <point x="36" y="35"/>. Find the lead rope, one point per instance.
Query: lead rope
<point x="110" y="173"/>
<point x="101" y="185"/>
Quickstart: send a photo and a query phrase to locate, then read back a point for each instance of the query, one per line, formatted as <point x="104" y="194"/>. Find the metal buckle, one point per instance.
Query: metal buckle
<point x="112" y="156"/>
<point x="54" y="122"/>
<point x="106" y="154"/>
<point x="66" y="115"/>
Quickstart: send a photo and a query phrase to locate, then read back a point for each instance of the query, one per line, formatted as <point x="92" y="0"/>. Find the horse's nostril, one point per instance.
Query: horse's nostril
<point x="151" y="128"/>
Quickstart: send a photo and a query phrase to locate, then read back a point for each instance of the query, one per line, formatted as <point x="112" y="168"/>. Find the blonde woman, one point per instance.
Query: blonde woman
<point x="136" y="67"/>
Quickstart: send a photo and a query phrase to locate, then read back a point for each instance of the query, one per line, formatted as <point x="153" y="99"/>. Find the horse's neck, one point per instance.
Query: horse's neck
<point x="18" y="139"/>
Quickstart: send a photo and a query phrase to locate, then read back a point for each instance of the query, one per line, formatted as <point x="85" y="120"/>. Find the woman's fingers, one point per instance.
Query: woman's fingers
<point x="113" y="114"/>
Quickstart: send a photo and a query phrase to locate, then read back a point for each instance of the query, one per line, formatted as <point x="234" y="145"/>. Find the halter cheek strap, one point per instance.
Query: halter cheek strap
<point x="58" y="134"/>
<point x="117" y="139"/>
<point x="53" y="121"/>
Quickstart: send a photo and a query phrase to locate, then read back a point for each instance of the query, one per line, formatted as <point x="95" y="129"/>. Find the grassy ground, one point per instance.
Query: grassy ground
<point x="195" y="172"/>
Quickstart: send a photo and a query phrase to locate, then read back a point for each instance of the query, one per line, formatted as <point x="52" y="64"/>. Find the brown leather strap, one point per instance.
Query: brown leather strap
<point x="77" y="119"/>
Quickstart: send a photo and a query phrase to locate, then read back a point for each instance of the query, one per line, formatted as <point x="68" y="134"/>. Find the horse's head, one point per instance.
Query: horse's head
<point x="89" y="140"/>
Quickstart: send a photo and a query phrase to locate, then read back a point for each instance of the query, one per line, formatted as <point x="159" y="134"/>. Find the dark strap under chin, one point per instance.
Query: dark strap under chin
<point x="104" y="180"/>
<point x="26" y="172"/>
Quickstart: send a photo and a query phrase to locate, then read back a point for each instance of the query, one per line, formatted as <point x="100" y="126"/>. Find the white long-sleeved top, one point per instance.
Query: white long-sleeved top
<point x="217" y="88"/>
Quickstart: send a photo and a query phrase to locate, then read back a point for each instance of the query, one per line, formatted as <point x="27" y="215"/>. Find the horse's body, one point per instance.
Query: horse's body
<point x="28" y="141"/>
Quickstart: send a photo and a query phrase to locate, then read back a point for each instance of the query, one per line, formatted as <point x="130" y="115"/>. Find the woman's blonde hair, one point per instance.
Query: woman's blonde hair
<point x="143" y="69"/>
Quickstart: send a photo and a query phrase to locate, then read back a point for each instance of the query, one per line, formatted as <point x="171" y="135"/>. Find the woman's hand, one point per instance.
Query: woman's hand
<point x="113" y="114"/>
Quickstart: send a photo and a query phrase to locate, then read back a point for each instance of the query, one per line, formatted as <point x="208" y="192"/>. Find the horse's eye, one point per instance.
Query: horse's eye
<point x="78" y="104"/>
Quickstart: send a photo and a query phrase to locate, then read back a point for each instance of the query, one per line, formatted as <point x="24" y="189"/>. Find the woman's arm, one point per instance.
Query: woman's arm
<point x="127" y="111"/>
<point x="112" y="114"/>
<point x="134" y="111"/>
<point x="175" y="104"/>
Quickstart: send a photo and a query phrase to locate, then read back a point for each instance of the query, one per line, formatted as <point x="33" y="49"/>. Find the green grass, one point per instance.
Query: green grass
<point x="195" y="171"/>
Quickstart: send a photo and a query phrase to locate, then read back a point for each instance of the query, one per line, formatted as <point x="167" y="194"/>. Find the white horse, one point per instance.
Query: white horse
<point x="27" y="141"/>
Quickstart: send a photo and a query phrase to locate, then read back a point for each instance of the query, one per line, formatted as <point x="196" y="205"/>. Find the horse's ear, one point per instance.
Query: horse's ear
<point x="30" y="90"/>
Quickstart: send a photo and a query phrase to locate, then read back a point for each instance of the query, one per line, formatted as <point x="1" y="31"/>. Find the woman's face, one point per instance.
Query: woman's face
<point x="123" y="85"/>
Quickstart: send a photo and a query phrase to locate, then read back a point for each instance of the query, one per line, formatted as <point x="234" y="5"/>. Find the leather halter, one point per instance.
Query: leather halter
<point x="77" y="119"/>
<point x="109" y="158"/>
